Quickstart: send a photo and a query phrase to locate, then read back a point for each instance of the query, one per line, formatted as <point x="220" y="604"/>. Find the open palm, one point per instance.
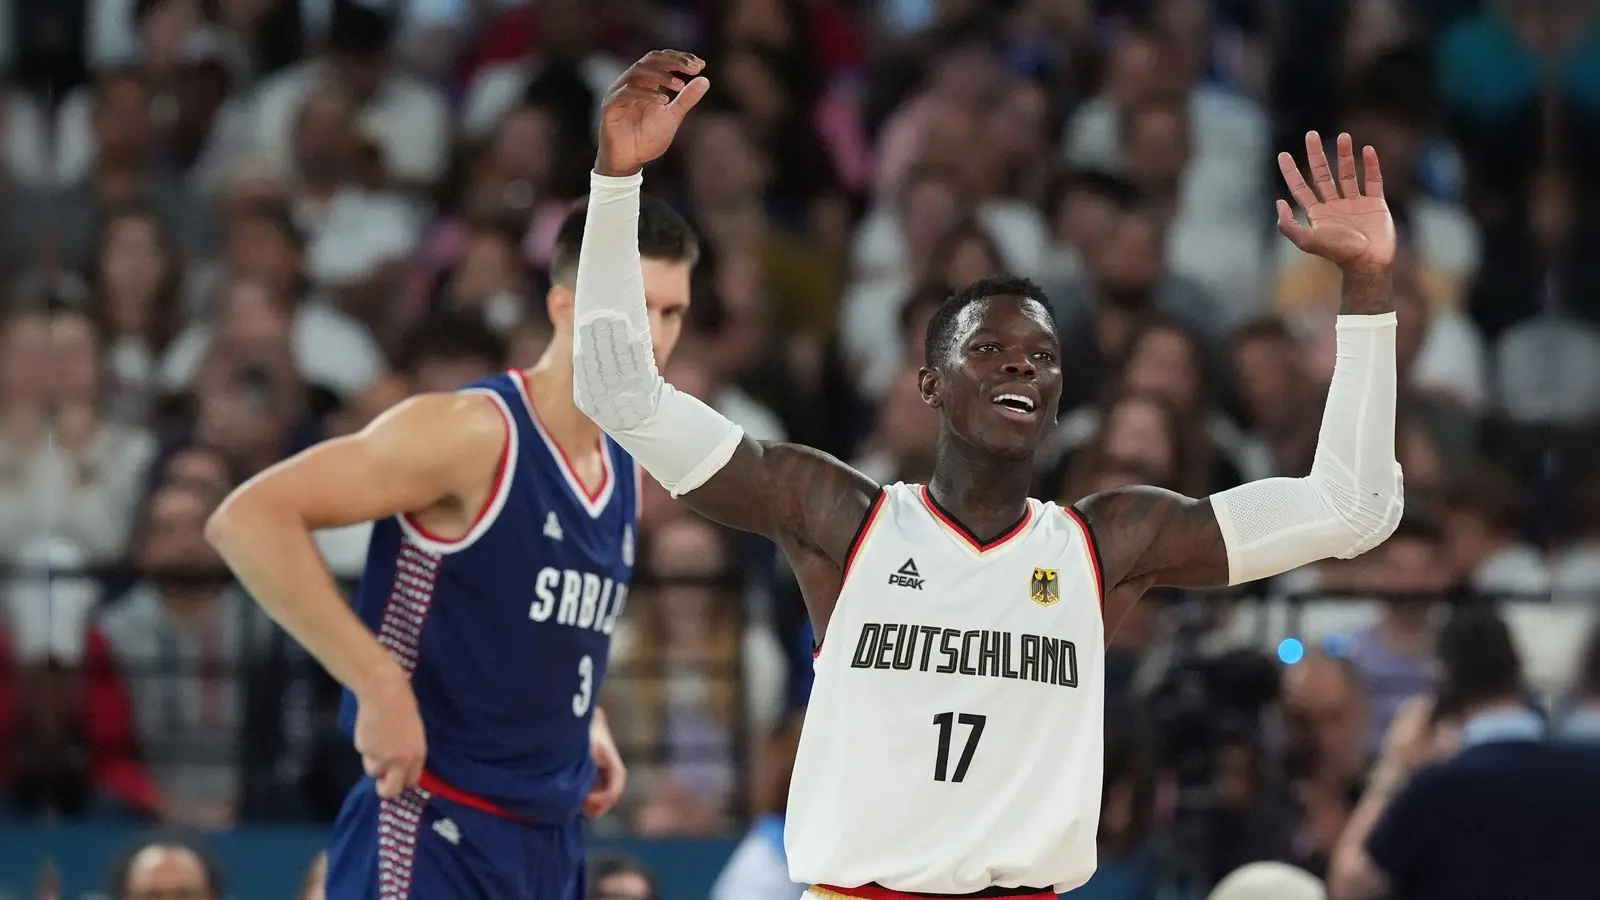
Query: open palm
<point x="1350" y="223"/>
<point x="640" y="117"/>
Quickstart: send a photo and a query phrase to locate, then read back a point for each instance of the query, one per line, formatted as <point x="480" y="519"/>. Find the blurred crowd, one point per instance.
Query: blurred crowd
<point x="230" y="229"/>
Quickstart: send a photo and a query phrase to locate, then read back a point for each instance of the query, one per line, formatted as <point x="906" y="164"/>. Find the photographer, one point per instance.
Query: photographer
<point x="1509" y="815"/>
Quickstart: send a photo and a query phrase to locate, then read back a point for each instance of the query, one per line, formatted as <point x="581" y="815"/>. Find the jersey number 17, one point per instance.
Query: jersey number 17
<point x="947" y="722"/>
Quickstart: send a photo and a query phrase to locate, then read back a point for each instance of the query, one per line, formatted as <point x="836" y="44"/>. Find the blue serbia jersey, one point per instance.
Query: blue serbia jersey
<point x="506" y="632"/>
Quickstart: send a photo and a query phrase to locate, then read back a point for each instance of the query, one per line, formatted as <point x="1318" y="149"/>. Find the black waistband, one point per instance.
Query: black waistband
<point x="979" y="895"/>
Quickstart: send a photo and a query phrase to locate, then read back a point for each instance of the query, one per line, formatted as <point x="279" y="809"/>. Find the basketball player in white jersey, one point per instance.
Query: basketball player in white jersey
<point x="953" y="744"/>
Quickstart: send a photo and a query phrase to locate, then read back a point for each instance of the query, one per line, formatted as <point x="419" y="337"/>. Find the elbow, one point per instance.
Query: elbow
<point x="234" y="523"/>
<point x="1372" y="511"/>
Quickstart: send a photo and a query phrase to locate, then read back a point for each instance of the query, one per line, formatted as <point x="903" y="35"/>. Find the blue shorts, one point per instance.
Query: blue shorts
<point x="424" y="846"/>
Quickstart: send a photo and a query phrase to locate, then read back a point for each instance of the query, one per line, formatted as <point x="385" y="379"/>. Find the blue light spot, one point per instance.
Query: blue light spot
<point x="1291" y="651"/>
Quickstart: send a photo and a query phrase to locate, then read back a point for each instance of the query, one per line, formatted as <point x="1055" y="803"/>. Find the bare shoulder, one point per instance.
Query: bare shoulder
<point x="788" y="492"/>
<point x="1156" y="536"/>
<point x="424" y="451"/>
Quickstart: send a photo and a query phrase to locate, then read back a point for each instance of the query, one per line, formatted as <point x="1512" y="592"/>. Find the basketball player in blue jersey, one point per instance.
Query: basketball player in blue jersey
<point x="500" y="557"/>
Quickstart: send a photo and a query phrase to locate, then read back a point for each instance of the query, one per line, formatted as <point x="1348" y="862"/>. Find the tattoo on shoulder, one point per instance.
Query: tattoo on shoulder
<point x="787" y="491"/>
<point x="1157" y="535"/>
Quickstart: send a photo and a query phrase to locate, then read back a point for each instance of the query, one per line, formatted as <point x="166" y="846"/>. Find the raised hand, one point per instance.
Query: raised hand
<point x="1350" y="222"/>
<point x="640" y="117"/>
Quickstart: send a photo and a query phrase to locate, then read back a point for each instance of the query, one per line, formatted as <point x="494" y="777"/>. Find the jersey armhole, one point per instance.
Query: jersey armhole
<point x="492" y="504"/>
<point x="856" y="542"/>
<point x="1093" y="548"/>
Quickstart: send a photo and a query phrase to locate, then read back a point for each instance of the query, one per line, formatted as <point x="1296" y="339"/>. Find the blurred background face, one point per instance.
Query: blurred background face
<point x="122" y="121"/>
<point x="1164" y="363"/>
<point x="163" y="28"/>
<point x="525" y="145"/>
<point x="762" y="97"/>
<point x="1138" y="430"/>
<point x="24" y="361"/>
<point x="199" y="466"/>
<point x="1129" y="262"/>
<point x="259" y="249"/>
<point x="74" y="360"/>
<point x="1411" y="565"/>
<point x="1261" y="368"/>
<point x="689" y="549"/>
<point x="908" y="427"/>
<point x="971" y="258"/>
<point x="174" y="538"/>
<point x="134" y="266"/>
<point x="324" y="140"/>
<point x="1157" y="146"/>
<point x="930" y="209"/>
<point x="1328" y="714"/>
<point x="250" y="315"/>
<point x="490" y="266"/>
<point x="723" y="166"/>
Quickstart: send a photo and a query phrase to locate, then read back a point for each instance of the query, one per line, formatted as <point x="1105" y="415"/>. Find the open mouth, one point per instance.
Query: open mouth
<point x="1016" y="403"/>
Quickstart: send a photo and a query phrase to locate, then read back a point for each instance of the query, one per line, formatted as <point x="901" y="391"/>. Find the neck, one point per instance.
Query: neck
<point x="550" y="386"/>
<point x="984" y="493"/>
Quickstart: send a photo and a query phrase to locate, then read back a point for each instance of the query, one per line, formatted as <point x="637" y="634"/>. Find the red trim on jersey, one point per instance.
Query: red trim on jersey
<point x="875" y="892"/>
<point x="488" y="502"/>
<point x="431" y="783"/>
<point x="856" y="541"/>
<point x="1094" y="552"/>
<point x="561" y="454"/>
<point x="969" y="537"/>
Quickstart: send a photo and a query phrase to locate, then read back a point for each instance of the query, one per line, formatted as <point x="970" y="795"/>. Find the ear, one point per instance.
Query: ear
<point x="558" y="303"/>
<point x="928" y="386"/>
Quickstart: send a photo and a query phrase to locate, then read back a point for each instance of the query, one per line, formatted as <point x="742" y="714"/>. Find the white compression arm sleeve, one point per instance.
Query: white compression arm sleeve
<point x="680" y="441"/>
<point x="1352" y="500"/>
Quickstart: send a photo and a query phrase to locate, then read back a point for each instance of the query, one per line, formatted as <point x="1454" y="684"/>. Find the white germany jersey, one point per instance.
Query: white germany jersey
<point x="954" y="737"/>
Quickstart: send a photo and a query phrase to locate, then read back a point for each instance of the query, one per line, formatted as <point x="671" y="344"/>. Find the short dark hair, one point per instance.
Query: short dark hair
<point x="940" y="339"/>
<point x="1477" y="658"/>
<point x="1114" y="189"/>
<point x="117" y="875"/>
<point x="603" y="865"/>
<point x="663" y="235"/>
<point x="450" y="335"/>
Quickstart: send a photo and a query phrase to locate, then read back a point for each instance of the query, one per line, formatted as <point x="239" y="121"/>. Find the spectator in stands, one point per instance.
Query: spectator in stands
<point x="1127" y="283"/>
<point x="1143" y="433"/>
<point x="1081" y="206"/>
<point x="1394" y="657"/>
<point x="489" y="279"/>
<point x="613" y="876"/>
<point x="406" y="117"/>
<point x="1328" y="754"/>
<point x="1507" y="816"/>
<point x="698" y="677"/>
<point x="758" y="869"/>
<point x="163" y="869"/>
<point x="184" y="642"/>
<point x="76" y="475"/>
<point x="122" y="173"/>
<point x="1275" y="393"/>
<point x="136" y="279"/>
<point x="263" y="282"/>
<point x="1485" y="515"/>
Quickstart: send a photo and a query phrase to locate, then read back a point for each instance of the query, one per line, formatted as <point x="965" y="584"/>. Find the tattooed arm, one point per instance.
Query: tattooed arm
<point x="1352" y="499"/>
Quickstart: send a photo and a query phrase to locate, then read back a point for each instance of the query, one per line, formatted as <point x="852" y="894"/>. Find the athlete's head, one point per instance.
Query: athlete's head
<point x="992" y="367"/>
<point x="668" y="249"/>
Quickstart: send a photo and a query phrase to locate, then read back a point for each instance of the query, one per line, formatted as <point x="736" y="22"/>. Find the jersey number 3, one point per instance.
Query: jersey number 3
<point x="946" y="722"/>
<point x="585" y="694"/>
